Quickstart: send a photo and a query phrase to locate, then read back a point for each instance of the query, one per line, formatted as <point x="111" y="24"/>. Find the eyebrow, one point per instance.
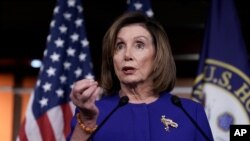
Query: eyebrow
<point x="140" y="36"/>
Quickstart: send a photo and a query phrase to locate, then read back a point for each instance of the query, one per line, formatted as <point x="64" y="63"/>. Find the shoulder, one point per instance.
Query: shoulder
<point x="107" y="102"/>
<point x="108" y="99"/>
<point x="187" y="103"/>
<point x="194" y="108"/>
<point x="190" y="103"/>
<point x="105" y="105"/>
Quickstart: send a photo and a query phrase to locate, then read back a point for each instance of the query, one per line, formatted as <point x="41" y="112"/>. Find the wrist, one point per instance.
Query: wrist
<point x="88" y="126"/>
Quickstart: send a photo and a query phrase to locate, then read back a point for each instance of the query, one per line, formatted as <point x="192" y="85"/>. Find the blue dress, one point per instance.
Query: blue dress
<point x="142" y="122"/>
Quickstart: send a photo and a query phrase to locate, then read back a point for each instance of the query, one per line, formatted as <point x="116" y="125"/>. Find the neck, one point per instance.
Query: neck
<point x="139" y="94"/>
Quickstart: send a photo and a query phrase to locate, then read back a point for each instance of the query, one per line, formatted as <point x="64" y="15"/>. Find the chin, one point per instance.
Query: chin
<point x="131" y="81"/>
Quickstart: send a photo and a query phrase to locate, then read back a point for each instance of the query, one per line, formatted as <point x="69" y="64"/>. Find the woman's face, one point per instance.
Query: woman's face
<point x="134" y="55"/>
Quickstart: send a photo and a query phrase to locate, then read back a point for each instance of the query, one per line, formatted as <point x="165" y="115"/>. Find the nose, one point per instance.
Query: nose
<point x="128" y="55"/>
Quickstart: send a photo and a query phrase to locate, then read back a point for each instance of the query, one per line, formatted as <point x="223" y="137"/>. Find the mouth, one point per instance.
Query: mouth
<point x="128" y="70"/>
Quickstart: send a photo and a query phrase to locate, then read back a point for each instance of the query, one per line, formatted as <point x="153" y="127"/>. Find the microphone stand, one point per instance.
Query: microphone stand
<point x="176" y="100"/>
<point x="123" y="101"/>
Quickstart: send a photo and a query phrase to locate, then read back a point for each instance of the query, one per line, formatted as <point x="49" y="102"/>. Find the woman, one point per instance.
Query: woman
<point x="137" y="56"/>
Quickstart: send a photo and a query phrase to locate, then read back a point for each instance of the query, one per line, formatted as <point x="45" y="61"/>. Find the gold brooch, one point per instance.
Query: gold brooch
<point x="168" y="122"/>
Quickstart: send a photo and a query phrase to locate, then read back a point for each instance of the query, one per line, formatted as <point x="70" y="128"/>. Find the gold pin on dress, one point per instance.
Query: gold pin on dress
<point x="168" y="123"/>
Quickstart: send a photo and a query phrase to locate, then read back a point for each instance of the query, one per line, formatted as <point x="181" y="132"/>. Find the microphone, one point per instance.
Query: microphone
<point x="123" y="101"/>
<point x="177" y="102"/>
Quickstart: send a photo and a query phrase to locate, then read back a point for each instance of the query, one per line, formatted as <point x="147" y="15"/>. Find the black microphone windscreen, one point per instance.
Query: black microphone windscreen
<point x="176" y="100"/>
<point x="123" y="100"/>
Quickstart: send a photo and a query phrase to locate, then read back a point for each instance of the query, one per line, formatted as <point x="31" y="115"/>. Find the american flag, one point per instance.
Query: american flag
<point x="141" y="5"/>
<point x="66" y="60"/>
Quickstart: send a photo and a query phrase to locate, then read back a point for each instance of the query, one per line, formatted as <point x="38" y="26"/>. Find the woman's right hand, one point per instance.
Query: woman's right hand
<point x="84" y="94"/>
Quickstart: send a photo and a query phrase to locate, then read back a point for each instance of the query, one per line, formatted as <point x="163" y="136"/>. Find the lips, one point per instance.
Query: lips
<point x="128" y="70"/>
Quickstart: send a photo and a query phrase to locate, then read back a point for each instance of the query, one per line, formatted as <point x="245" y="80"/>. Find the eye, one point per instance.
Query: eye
<point x="119" y="45"/>
<point x="140" y="45"/>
